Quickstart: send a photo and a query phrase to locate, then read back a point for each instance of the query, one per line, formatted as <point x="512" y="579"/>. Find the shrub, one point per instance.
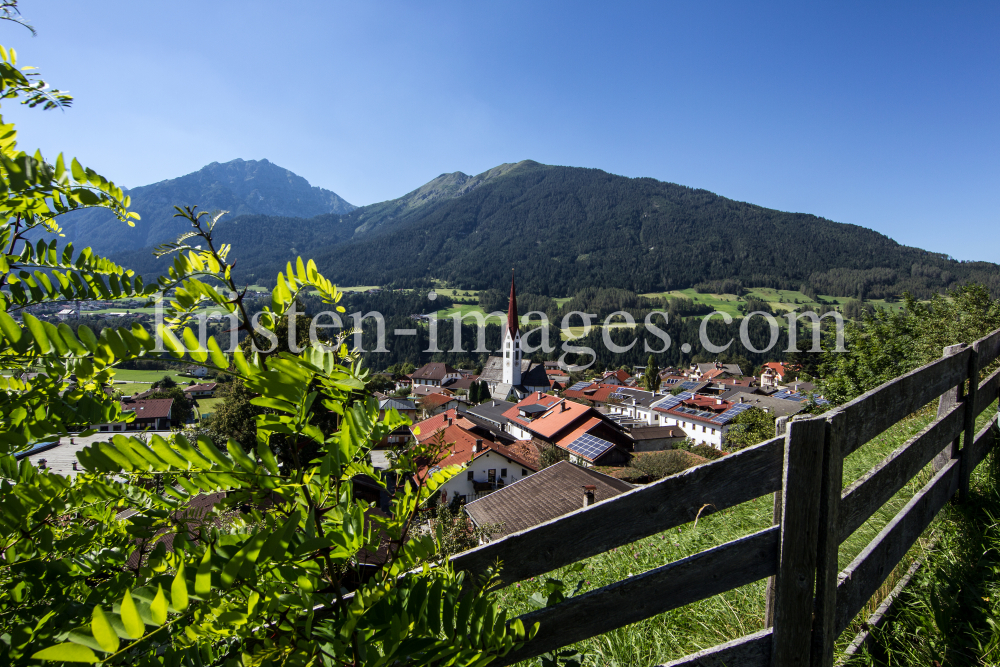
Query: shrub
<point x="658" y="465"/>
<point x="707" y="451"/>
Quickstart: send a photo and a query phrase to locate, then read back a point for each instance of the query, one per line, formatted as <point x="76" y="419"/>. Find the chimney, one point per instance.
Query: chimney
<point x="479" y="446"/>
<point x="589" y="491"/>
<point x="41" y="464"/>
<point x="718" y="401"/>
<point x="741" y="398"/>
<point x="74" y="466"/>
<point x="562" y="407"/>
<point x="72" y="441"/>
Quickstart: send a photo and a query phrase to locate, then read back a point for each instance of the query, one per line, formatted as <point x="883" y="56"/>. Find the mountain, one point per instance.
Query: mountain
<point x="242" y="187"/>
<point x="564" y="228"/>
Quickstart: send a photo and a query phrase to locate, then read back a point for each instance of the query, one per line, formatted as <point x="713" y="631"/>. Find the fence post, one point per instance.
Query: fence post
<point x="828" y="548"/>
<point x="947" y="401"/>
<point x="780" y="427"/>
<point x="964" y="464"/>
<point x="800" y="507"/>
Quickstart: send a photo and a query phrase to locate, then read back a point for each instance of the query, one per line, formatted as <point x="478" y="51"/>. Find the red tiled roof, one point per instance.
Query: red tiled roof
<point x="205" y="386"/>
<point x="429" y="427"/>
<point x="436" y="400"/>
<point x="777" y="366"/>
<point x="433" y="371"/>
<point x="558" y="418"/>
<point x="619" y="374"/>
<point x="594" y="392"/>
<point x="462" y="450"/>
<point x="149" y="408"/>
<point x="544" y="400"/>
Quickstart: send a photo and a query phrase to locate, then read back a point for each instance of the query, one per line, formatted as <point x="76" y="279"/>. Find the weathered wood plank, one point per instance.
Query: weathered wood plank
<point x="989" y="348"/>
<point x="749" y="651"/>
<point x="676" y="584"/>
<point x="780" y="428"/>
<point x="871" y="567"/>
<point x="793" y="597"/>
<point x="984" y="442"/>
<point x="949" y="399"/>
<point x="671" y="502"/>
<point x="872" y="413"/>
<point x="866" y="495"/>
<point x="988" y="391"/>
<point x="828" y="547"/>
<point x="969" y="433"/>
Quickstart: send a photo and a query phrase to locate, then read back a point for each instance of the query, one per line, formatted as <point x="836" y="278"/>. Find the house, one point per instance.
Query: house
<point x="492" y="411"/>
<point x="511" y="375"/>
<point x="405" y="408"/>
<point x="774" y="374"/>
<point x="196" y="371"/>
<point x="491" y="465"/>
<point x="589" y="437"/>
<point x="595" y="394"/>
<point x="711" y="371"/>
<point x="203" y="390"/>
<point x="618" y="377"/>
<point x="433" y="404"/>
<point x="151" y="413"/>
<point x="463" y="383"/>
<point x="66" y="313"/>
<point x="704" y="419"/>
<point x="434" y="374"/>
<point x="548" y="494"/>
<point x="420" y="390"/>
<point x="634" y="405"/>
<point x="518" y="415"/>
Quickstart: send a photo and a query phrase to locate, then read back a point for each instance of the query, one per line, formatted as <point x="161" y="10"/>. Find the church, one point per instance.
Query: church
<point x="511" y="377"/>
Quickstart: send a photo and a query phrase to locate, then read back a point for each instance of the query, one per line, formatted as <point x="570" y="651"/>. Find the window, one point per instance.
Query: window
<point x="503" y="472"/>
<point x="491" y="475"/>
<point x="524" y="473"/>
<point x="469" y="476"/>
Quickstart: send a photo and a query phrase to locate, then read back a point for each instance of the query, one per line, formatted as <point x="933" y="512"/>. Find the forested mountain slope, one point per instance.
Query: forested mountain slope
<point x="566" y="228"/>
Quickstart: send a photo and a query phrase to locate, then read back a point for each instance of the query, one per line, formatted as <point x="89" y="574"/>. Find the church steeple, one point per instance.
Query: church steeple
<point x="512" y="342"/>
<point x="512" y="309"/>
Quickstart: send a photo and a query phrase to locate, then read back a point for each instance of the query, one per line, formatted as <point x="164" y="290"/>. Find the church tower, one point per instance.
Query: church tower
<point x="512" y="342"/>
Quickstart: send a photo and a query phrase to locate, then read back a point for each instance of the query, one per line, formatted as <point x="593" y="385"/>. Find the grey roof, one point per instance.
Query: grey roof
<point x="493" y="370"/>
<point x="642" y="397"/>
<point x="776" y="406"/>
<point x="542" y="496"/>
<point x="656" y="432"/>
<point x="502" y="391"/>
<point x="492" y="411"/>
<point x="729" y="368"/>
<point x="396" y="404"/>
<point x="535" y="376"/>
<point x="494" y="429"/>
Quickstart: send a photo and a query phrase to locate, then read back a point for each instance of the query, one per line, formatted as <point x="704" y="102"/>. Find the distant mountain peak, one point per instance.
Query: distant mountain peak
<point x="242" y="187"/>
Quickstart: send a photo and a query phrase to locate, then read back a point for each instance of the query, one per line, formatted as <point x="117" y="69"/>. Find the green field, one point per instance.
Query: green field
<point x="465" y="309"/>
<point x="207" y="406"/>
<point x="779" y="300"/>
<point x="149" y="376"/>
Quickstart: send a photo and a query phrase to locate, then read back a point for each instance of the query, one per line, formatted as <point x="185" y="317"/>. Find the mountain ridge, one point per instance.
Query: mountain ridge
<point x="567" y="228"/>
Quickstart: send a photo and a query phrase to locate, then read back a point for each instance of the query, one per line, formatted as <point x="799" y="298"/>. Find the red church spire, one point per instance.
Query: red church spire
<point x="512" y="308"/>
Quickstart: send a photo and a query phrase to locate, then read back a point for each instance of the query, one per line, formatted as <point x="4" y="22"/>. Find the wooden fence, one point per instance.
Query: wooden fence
<point x="810" y="601"/>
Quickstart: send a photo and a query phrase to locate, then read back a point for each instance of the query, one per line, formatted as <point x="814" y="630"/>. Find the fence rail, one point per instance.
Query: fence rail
<point x="811" y="600"/>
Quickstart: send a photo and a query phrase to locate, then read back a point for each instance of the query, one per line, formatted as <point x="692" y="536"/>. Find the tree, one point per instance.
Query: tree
<point x="277" y="549"/>
<point x="651" y="378"/>
<point x="751" y="427"/>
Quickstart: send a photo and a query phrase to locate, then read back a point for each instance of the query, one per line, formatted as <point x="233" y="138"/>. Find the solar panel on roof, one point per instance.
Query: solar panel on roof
<point x="690" y="385"/>
<point x="670" y="401"/>
<point x="589" y="446"/>
<point x="789" y="395"/>
<point x="579" y="385"/>
<point x="617" y="397"/>
<point x="731" y="413"/>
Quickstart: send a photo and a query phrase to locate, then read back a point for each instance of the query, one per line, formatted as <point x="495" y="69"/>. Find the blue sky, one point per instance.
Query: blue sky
<point x="885" y="115"/>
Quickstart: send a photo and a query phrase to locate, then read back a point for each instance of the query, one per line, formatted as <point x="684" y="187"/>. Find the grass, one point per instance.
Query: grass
<point x="779" y="300"/>
<point x="466" y="309"/>
<point x="149" y="376"/>
<point x="949" y="614"/>
<point x="732" y="614"/>
<point x="207" y="406"/>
